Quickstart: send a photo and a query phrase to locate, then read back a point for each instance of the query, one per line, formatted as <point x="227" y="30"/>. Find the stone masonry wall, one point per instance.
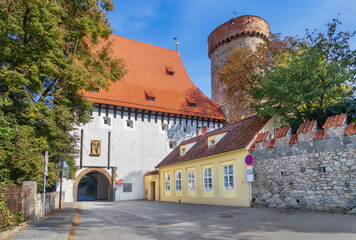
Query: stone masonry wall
<point x="314" y="175"/>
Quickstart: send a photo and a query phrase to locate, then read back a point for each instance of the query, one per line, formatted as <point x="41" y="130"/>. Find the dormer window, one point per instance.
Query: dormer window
<point x="183" y="150"/>
<point x="191" y="103"/>
<point x="150" y="96"/>
<point x="212" y="141"/>
<point x="170" y="70"/>
<point x="95" y="90"/>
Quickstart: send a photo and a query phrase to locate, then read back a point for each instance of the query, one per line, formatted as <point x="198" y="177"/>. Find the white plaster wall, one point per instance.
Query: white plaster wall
<point x="133" y="151"/>
<point x="67" y="187"/>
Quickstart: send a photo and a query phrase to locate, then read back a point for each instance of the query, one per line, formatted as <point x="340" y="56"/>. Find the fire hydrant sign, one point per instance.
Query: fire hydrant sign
<point x="249" y="159"/>
<point x="120" y="181"/>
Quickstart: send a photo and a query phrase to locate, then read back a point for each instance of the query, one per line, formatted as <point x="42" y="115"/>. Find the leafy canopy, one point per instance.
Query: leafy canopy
<point x="50" y="52"/>
<point x="297" y="79"/>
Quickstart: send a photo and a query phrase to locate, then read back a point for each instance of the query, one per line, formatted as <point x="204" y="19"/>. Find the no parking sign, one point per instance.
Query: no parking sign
<point x="249" y="159"/>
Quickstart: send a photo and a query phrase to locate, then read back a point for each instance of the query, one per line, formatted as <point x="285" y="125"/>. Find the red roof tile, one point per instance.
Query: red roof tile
<point x="151" y="173"/>
<point x="293" y="139"/>
<point x="252" y="148"/>
<point x="351" y="129"/>
<point x="306" y="127"/>
<point x="262" y="136"/>
<point x="336" y="120"/>
<point x="319" y="134"/>
<point x="150" y="93"/>
<point x="147" y="65"/>
<point x="238" y="136"/>
<point x="282" y="132"/>
<point x="271" y="143"/>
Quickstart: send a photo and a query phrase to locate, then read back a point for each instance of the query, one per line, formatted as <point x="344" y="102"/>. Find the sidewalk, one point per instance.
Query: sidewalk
<point x="54" y="226"/>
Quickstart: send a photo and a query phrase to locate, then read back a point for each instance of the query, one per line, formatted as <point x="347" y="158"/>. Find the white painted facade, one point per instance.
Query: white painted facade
<point x="133" y="150"/>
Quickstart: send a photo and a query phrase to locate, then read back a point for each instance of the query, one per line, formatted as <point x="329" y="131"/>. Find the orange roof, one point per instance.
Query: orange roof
<point x="351" y="129"/>
<point x="151" y="173"/>
<point x="336" y="120"/>
<point x="319" y="134"/>
<point x="147" y="67"/>
<point x="271" y="143"/>
<point x="293" y="139"/>
<point x="262" y="136"/>
<point x="306" y="127"/>
<point x="282" y="132"/>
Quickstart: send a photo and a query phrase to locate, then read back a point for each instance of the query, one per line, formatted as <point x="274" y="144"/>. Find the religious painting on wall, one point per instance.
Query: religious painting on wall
<point x="95" y="148"/>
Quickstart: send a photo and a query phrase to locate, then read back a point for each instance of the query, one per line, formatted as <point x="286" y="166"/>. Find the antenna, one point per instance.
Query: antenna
<point x="175" y="38"/>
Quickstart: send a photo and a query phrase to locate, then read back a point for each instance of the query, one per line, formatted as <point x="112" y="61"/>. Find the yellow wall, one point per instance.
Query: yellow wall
<point x="148" y="187"/>
<point x="239" y="196"/>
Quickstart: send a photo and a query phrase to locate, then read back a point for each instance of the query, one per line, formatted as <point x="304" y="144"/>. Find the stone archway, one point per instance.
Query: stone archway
<point x="89" y="170"/>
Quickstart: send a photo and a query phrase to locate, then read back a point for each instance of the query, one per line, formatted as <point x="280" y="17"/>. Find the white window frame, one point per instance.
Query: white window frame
<point x="178" y="179"/>
<point x="208" y="185"/>
<point x="108" y="121"/>
<point x="191" y="180"/>
<point x="228" y="176"/>
<point x="167" y="181"/>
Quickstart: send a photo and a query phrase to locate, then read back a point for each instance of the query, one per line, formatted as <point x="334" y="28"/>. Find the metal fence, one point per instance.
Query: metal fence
<point x="15" y="198"/>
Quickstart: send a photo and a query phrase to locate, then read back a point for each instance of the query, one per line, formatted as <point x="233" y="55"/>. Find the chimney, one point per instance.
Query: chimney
<point x="203" y="130"/>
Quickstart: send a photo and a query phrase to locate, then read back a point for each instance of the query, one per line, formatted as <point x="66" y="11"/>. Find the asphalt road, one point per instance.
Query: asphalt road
<point x="161" y="220"/>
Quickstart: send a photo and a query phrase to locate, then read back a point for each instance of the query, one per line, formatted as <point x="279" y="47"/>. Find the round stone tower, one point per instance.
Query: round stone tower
<point x="241" y="31"/>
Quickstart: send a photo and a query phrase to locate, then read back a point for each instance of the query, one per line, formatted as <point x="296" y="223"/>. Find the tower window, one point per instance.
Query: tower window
<point x="164" y="127"/>
<point x="172" y="144"/>
<point x="129" y="123"/>
<point x="107" y="121"/>
<point x="185" y="129"/>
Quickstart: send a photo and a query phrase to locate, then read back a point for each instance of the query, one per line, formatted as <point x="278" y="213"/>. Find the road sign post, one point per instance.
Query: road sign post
<point x="44" y="184"/>
<point x="120" y="182"/>
<point x="249" y="172"/>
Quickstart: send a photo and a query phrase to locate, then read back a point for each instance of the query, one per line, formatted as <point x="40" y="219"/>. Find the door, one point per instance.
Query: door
<point x="153" y="191"/>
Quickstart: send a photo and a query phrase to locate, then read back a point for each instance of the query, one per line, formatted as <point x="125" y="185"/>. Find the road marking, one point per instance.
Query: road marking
<point x="143" y="207"/>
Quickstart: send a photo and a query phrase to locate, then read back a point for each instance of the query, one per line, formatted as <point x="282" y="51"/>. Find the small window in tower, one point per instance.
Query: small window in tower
<point x="170" y="70"/>
<point x="164" y="127"/>
<point x="172" y="144"/>
<point x="107" y="121"/>
<point x="185" y="129"/>
<point x="129" y="123"/>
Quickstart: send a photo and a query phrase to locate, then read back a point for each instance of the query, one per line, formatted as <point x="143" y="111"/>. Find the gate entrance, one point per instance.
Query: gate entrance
<point x="93" y="184"/>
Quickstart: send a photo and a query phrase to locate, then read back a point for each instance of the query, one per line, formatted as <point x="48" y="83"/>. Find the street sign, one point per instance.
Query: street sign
<point x="249" y="159"/>
<point x="249" y="169"/>
<point x="120" y="181"/>
<point x="46" y="164"/>
<point x="249" y="173"/>
<point x="249" y="178"/>
<point x="46" y="158"/>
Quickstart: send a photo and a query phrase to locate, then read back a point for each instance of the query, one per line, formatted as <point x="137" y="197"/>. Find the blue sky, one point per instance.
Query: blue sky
<point x="158" y="21"/>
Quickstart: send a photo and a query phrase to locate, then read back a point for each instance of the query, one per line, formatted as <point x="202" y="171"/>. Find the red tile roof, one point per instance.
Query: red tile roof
<point x="293" y="139"/>
<point x="252" y="148"/>
<point x="319" y="134"/>
<point x="262" y="136"/>
<point x="238" y="136"/>
<point x="282" y="132"/>
<point x="306" y="127"/>
<point x="351" y="129"/>
<point x="271" y="143"/>
<point x="336" y="120"/>
<point x="151" y="173"/>
<point x="147" y="67"/>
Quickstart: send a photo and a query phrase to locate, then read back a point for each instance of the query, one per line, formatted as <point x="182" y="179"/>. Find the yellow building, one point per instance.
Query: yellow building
<point x="208" y="169"/>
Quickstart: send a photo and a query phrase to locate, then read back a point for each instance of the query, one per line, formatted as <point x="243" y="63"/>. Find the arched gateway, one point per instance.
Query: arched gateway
<point x="103" y="183"/>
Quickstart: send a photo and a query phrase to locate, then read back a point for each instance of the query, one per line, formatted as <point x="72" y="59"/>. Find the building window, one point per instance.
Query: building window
<point x="127" y="187"/>
<point x="185" y="129"/>
<point x="208" y="179"/>
<point x="164" y="127"/>
<point x="129" y="123"/>
<point x="228" y="174"/>
<point x="172" y="145"/>
<point x="183" y="150"/>
<point x="191" y="180"/>
<point x="178" y="181"/>
<point x="95" y="90"/>
<point x="151" y="99"/>
<point x="107" y="121"/>
<point x="167" y="178"/>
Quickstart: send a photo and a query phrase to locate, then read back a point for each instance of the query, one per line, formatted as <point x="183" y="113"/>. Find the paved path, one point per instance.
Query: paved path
<point x="159" y="220"/>
<point x="54" y="226"/>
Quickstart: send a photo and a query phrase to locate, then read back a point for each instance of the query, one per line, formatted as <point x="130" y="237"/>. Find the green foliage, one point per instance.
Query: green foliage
<point x="313" y="81"/>
<point x="50" y="52"/>
<point x="5" y="215"/>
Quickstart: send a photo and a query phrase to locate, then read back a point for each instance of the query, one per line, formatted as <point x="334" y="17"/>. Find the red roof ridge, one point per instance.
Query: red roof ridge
<point x="262" y="136"/>
<point x="151" y="173"/>
<point x="293" y="139"/>
<point x="306" y="127"/>
<point x="271" y="143"/>
<point x="335" y="120"/>
<point x="133" y="40"/>
<point x="282" y="132"/>
<point x="351" y="129"/>
<point x="319" y="134"/>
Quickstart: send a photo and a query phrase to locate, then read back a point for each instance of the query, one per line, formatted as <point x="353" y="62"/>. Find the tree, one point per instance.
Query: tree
<point x="50" y="52"/>
<point x="296" y="79"/>
<point x="313" y="81"/>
